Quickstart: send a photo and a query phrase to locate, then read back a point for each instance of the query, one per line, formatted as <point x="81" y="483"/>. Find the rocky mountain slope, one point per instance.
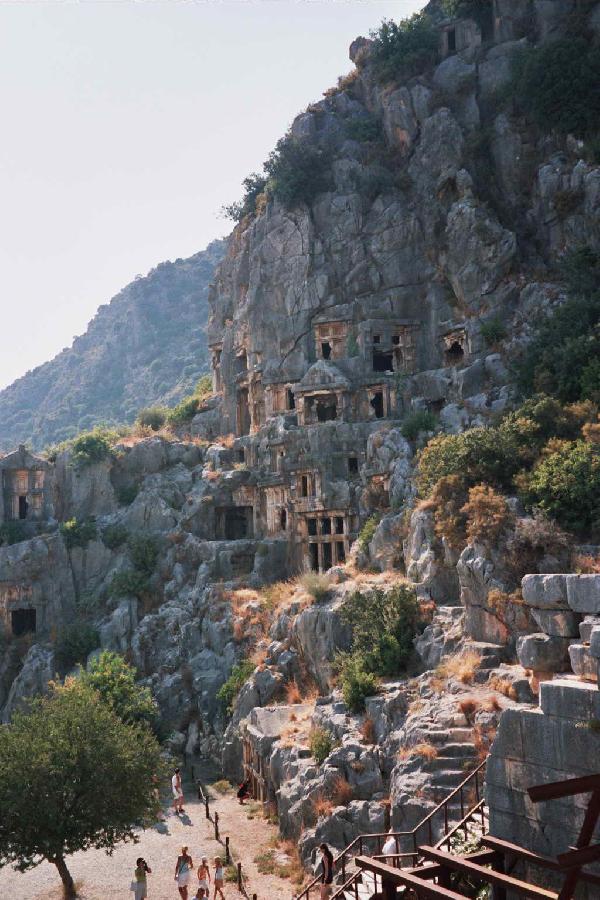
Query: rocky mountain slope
<point x="146" y="346"/>
<point x="376" y="542"/>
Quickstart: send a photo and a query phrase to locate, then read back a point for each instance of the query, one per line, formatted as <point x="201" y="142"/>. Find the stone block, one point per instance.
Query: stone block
<point x="543" y="653"/>
<point x="583" y="593"/>
<point x="595" y="642"/>
<point x="545" y="591"/>
<point x="569" y="699"/>
<point x="586" y="627"/>
<point x="557" y="622"/>
<point x="582" y="662"/>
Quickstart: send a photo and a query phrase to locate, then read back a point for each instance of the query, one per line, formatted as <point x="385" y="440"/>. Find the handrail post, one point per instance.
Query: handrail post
<point x="227" y="853"/>
<point x="239" y="877"/>
<point x="216" y="826"/>
<point x="206" y="807"/>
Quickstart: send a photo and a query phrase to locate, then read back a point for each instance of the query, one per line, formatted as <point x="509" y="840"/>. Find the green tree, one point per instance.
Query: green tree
<point x="115" y="682"/>
<point x="73" y="776"/>
<point x="405" y="48"/>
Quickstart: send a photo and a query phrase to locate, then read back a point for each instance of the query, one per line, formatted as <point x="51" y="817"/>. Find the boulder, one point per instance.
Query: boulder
<point x="543" y="653"/>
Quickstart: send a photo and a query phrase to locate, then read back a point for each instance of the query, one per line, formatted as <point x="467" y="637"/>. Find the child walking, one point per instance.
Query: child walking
<point x="219" y="878"/>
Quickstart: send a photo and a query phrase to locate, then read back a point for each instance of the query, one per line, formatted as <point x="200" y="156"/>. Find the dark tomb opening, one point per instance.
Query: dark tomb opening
<point x="377" y="404"/>
<point x="314" y="556"/>
<point x="353" y="465"/>
<point x="243" y="411"/>
<point x="304" y="486"/>
<point x="454" y="354"/>
<point x="327" y="556"/>
<point x="383" y="361"/>
<point x="23" y="507"/>
<point x="283" y="519"/>
<point x="339" y="524"/>
<point x="340" y="551"/>
<point x="326" y="410"/>
<point x="326" y="350"/>
<point x="396" y="340"/>
<point x="237" y="523"/>
<point x="451" y="40"/>
<point x="326" y="526"/>
<point x="22" y="621"/>
<point x="312" y="526"/>
<point x="290" y="399"/>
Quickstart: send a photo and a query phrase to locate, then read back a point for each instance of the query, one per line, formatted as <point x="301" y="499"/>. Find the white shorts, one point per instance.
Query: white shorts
<point x="203" y="884"/>
<point x="183" y="879"/>
<point x="178" y="795"/>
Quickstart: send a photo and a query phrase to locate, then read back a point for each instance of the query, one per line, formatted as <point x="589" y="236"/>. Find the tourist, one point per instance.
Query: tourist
<point x="182" y="872"/>
<point x="219" y="878"/>
<point x="327" y="876"/>
<point x="243" y="791"/>
<point x="140" y="883"/>
<point x="201" y="893"/>
<point x="204" y="876"/>
<point x="390" y="848"/>
<point x="177" y="792"/>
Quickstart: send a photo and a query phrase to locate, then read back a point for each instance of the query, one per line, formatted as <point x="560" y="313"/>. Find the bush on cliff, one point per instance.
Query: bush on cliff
<point x="406" y="48"/>
<point x="298" y="170"/>
<point x="74" y="643"/>
<point x="383" y="624"/>
<point x="558" y="85"/>
<point x="357" y="683"/>
<point x="254" y="185"/>
<point x="153" y="417"/>
<point x="78" y="533"/>
<point x="562" y="358"/>
<point x="240" y="673"/>
<point x="320" y="744"/>
<point x="565" y="484"/>
<point x="12" y="533"/>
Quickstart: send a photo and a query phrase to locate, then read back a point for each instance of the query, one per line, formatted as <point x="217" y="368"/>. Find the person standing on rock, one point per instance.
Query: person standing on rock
<point x="327" y="876"/>
<point x="183" y="868"/>
<point x="177" y="792"/>
<point x="142" y="869"/>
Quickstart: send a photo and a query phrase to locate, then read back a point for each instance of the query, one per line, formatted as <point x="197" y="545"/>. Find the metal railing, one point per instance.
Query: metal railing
<point x="438" y="818"/>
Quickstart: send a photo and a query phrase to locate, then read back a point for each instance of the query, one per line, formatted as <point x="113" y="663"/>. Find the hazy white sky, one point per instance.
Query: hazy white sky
<point x="124" y="128"/>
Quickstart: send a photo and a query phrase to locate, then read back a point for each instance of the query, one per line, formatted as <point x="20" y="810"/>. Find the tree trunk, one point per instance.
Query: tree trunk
<point x="68" y="884"/>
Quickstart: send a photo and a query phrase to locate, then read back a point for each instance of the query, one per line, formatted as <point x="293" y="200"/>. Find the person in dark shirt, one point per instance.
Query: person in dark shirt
<point x="327" y="876"/>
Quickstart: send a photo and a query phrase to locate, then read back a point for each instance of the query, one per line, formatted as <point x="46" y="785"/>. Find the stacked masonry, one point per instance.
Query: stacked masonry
<point x="561" y="738"/>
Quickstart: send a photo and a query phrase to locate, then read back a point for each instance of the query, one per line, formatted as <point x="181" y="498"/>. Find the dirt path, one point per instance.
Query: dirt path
<point x="102" y="877"/>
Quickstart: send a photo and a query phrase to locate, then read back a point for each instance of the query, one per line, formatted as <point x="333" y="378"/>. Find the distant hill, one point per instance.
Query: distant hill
<point x="147" y="346"/>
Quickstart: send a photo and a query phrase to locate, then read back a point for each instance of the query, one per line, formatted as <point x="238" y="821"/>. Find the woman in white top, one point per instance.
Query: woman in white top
<point x="183" y="868"/>
<point x="177" y="792"/>
<point x="219" y="878"/>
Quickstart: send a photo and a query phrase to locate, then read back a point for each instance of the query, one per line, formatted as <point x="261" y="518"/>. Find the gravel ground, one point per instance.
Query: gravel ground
<point x="102" y="877"/>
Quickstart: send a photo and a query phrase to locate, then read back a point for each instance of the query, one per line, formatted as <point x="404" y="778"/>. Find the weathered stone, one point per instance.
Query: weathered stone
<point x="543" y="653"/>
<point x="583" y="593"/>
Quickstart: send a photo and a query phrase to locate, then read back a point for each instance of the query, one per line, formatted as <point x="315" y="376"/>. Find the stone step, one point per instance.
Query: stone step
<point x="451" y="735"/>
<point x="464" y="749"/>
<point x="585" y="627"/>
<point x="582" y="662"/>
<point x="448" y="778"/>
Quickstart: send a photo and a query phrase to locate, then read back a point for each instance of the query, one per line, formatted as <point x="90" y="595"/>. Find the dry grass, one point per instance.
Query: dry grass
<point x="226" y="440"/>
<point x="341" y="792"/>
<point x="462" y="666"/>
<point x="222" y="786"/>
<point x="316" y="584"/>
<point x="367" y="730"/>
<point x="322" y="806"/>
<point x="292" y="693"/>
<point x="503" y="686"/>
<point x="492" y="704"/>
<point x="424" y="750"/>
<point x="483" y="739"/>
<point x="468" y="708"/>
<point x="586" y="564"/>
<point x="276" y="594"/>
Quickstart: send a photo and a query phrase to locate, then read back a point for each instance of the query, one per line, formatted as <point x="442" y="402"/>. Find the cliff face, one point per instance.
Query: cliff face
<point x="146" y="346"/>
